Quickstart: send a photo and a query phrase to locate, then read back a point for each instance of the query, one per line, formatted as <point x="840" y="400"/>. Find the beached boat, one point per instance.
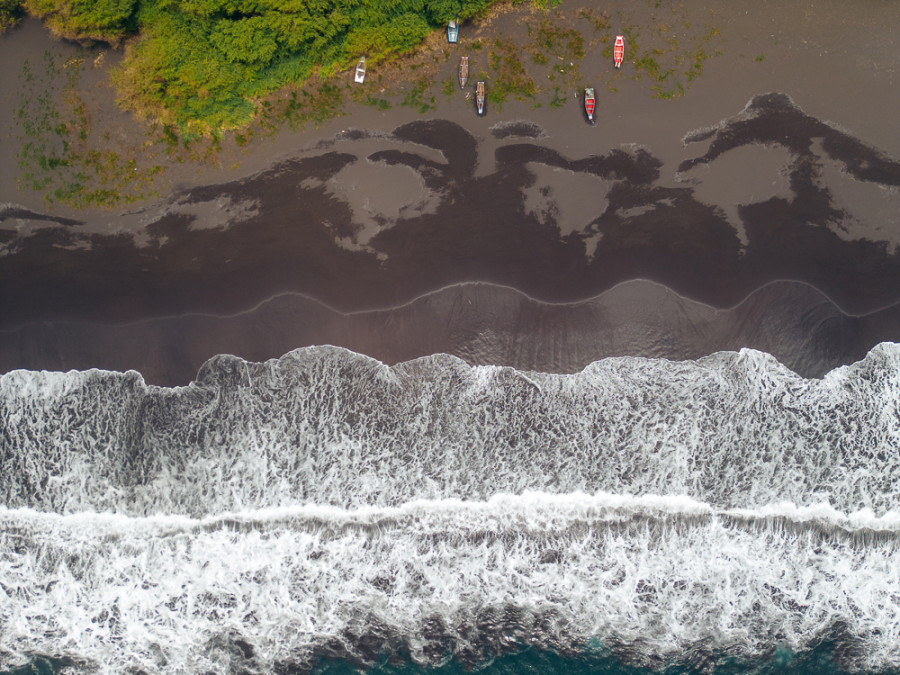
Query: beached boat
<point x="360" y="75"/>
<point x="453" y="30"/>
<point x="479" y="97"/>
<point x="463" y="71"/>
<point x="589" y="103"/>
<point x="619" y="51"/>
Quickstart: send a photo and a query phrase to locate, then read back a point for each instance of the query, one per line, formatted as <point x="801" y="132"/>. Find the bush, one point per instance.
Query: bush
<point x="202" y="64"/>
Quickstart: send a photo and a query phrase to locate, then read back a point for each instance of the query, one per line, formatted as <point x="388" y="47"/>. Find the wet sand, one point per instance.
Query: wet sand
<point x="761" y="173"/>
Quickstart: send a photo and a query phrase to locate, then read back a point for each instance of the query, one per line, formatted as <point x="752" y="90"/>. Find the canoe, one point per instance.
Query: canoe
<point x="479" y="97"/>
<point x="453" y="31"/>
<point x="589" y="102"/>
<point x="360" y="75"/>
<point x="619" y="51"/>
<point x="463" y="71"/>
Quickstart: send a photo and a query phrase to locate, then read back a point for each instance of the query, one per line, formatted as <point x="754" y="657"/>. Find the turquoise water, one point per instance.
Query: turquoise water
<point x="820" y="661"/>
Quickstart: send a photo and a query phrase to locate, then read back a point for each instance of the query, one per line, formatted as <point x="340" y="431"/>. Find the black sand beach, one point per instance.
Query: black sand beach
<point x="759" y="210"/>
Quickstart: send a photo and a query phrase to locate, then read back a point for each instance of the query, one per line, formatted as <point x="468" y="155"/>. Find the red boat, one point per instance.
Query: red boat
<point x="619" y="51"/>
<point x="589" y="102"/>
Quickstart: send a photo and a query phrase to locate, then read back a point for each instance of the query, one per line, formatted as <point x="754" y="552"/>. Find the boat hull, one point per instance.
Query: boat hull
<point x="619" y="51"/>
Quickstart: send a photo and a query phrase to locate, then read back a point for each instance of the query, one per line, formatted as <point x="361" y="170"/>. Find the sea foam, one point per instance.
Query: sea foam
<point x="323" y="504"/>
<point x="327" y="426"/>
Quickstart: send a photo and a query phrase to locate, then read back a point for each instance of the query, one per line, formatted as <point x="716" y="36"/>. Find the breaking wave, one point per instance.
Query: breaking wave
<point x="323" y="505"/>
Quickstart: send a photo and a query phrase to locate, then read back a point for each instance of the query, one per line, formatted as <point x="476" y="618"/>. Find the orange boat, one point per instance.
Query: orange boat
<point x="589" y="102"/>
<point x="619" y="51"/>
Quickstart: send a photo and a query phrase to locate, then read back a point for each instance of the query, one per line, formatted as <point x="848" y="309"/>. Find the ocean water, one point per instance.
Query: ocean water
<point x="325" y="513"/>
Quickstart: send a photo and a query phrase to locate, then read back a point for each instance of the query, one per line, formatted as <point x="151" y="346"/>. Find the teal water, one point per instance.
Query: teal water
<point x="820" y="661"/>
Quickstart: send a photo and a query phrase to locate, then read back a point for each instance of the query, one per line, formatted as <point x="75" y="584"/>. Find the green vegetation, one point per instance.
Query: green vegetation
<point x="57" y="156"/>
<point x="10" y="13"/>
<point x="415" y="97"/>
<point x="205" y="65"/>
<point x="671" y="64"/>
<point x="448" y="87"/>
<point x="511" y="79"/>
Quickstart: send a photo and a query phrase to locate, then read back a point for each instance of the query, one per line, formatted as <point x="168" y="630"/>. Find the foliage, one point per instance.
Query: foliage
<point x="103" y="20"/>
<point x="205" y="65"/>
<point x="10" y="13"/>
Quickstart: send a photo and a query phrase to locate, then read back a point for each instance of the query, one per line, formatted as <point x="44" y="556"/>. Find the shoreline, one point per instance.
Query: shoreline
<point x="378" y="207"/>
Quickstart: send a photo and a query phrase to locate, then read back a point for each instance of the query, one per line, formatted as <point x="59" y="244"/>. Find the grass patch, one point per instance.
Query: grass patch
<point x="510" y="77"/>
<point x="671" y="61"/>
<point x="416" y="96"/>
<point x="58" y="154"/>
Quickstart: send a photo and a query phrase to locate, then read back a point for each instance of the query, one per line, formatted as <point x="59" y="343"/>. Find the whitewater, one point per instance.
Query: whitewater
<point x="271" y="515"/>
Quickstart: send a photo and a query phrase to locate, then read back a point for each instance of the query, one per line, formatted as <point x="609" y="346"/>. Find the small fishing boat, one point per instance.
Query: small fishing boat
<point x="589" y="103"/>
<point x="619" y="51"/>
<point x="463" y="71"/>
<point x="453" y="31"/>
<point x="360" y="75"/>
<point x="479" y="97"/>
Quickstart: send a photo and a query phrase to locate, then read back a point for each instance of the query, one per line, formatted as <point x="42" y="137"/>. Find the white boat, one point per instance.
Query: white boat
<point x="463" y="71"/>
<point x="360" y="71"/>
<point x="453" y="31"/>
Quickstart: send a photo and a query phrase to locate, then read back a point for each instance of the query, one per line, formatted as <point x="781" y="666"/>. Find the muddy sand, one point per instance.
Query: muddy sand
<point x="760" y="209"/>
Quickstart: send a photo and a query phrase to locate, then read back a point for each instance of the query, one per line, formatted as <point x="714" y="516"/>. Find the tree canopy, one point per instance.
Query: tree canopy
<point x="202" y="64"/>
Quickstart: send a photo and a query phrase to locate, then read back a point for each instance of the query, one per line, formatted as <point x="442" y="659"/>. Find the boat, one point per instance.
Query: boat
<point x="360" y="75"/>
<point x="479" y="97"/>
<point x="463" y="71"/>
<point x="589" y="102"/>
<point x="453" y="31"/>
<point x="619" y="51"/>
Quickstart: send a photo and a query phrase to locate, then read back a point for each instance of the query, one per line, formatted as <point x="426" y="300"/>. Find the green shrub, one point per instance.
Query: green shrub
<point x="10" y="13"/>
<point x="203" y="65"/>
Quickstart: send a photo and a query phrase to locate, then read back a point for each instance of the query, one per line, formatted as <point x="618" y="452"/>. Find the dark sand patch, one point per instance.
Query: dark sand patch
<point x="477" y="228"/>
<point x="480" y="323"/>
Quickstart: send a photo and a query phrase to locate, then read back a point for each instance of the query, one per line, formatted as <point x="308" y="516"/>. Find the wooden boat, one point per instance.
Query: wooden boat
<point x="619" y="51"/>
<point x="589" y="103"/>
<point x="360" y="75"/>
<point x="479" y="97"/>
<point x="453" y="31"/>
<point x="463" y="71"/>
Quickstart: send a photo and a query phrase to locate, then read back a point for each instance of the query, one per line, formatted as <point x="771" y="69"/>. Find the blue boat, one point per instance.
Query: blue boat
<point x="453" y="31"/>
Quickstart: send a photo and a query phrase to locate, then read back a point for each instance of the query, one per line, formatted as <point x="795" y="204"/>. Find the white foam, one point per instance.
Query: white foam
<point x="326" y="426"/>
<point x="323" y="496"/>
<point x="663" y="574"/>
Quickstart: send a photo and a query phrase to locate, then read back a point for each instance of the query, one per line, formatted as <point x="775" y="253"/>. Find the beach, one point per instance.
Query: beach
<point x="762" y="186"/>
<point x="376" y="384"/>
